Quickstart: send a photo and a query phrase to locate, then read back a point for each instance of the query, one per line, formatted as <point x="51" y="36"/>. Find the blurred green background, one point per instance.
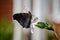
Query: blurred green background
<point x="6" y="29"/>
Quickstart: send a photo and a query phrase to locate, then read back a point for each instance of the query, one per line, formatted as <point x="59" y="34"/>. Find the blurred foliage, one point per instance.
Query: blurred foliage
<point x="50" y="37"/>
<point x="6" y="29"/>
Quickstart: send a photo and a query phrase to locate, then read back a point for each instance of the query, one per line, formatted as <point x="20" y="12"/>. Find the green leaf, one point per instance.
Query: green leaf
<point x="40" y="25"/>
<point x="44" y="25"/>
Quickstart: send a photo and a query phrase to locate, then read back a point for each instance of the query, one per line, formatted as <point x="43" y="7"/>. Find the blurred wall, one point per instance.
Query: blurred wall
<point x="6" y="9"/>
